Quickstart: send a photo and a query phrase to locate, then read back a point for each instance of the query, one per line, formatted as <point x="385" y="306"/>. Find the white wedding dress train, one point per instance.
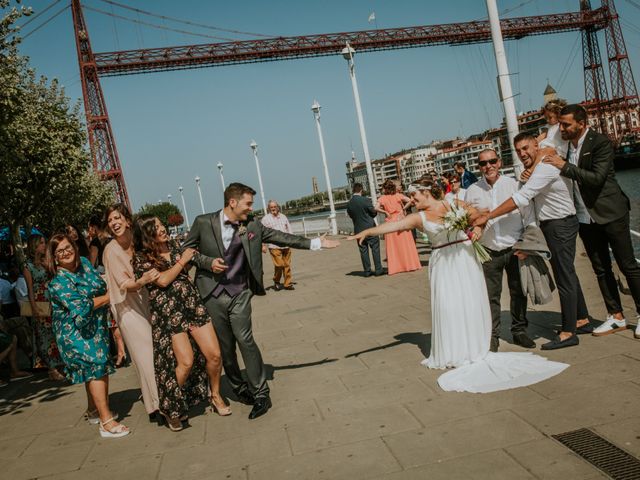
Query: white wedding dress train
<point x="461" y="323"/>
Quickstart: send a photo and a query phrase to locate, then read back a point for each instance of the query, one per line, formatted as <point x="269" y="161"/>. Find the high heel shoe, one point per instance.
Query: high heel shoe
<point x="121" y="361"/>
<point x="174" y="423"/>
<point x="222" y="411"/>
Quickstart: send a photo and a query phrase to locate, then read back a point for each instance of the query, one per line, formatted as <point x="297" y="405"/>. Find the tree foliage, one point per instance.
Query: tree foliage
<point x="164" y="211"/>
<point x="45" y="167"/>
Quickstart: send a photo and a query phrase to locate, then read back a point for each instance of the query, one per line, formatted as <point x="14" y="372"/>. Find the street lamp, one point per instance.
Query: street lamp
<point x="315" y="108"/>
<point x="169" y="198"/>
<point x="347" y="53"/>
<point x="200" y="193"/>
<point x="221" y="176"/>
<point x="184" y="207"/>
<point x="254" y="147"/>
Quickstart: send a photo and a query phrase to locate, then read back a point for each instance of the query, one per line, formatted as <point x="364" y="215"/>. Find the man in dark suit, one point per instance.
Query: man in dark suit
<point x="361" y="211"/>
<point x="229" y="273"/>
<point x="602" y="209"/>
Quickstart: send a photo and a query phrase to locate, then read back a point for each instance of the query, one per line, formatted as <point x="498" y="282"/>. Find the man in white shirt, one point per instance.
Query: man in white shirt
<point x="498" y="238"/>
<point x="281" y="256"/>
<point x="556" y="215"/>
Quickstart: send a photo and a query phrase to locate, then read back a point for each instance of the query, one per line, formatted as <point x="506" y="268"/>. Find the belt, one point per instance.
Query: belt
<point x="447" y="244"/>
<point x="545" y="222"/>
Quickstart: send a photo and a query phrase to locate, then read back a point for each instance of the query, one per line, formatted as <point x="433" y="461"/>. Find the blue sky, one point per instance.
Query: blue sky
<point x="171" y="126"/>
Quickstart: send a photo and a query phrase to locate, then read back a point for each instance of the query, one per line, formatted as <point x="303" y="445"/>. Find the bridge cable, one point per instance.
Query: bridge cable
<point x="44" y="23"/>
<point x="39" y="13"/>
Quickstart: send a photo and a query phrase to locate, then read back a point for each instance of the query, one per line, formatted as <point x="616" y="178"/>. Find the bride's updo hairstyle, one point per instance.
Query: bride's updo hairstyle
<point x="427" y="183"/>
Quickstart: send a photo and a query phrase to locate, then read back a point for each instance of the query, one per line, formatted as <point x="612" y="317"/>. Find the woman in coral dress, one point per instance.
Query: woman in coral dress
<point x="402" y="255"/>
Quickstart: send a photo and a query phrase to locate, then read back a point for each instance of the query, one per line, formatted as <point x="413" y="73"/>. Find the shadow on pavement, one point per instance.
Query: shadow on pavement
<point x="25" y="393"/>
<point x="419" y="339"/>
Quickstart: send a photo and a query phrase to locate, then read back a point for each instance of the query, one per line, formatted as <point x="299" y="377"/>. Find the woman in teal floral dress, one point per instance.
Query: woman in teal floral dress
<point x="79" y="302"/>
<point x="45" y="353"/>
<point x="179" y="322"/>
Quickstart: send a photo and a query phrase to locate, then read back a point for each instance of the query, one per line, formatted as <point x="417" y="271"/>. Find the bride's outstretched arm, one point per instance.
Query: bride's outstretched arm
<point x="409" y="222"/>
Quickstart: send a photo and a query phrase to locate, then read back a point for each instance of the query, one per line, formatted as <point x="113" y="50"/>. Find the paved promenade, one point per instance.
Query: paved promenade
<point x="351" y="400"/>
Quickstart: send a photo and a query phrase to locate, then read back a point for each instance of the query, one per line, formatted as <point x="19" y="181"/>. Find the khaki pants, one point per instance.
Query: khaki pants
<point x="281" y="265"/>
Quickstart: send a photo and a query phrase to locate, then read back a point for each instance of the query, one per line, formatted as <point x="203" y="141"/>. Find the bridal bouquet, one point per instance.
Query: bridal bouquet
<point x="457" y="220"/>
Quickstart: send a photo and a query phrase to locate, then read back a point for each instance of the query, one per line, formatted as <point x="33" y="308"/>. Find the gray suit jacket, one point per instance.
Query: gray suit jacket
<point x="206" y="237"/>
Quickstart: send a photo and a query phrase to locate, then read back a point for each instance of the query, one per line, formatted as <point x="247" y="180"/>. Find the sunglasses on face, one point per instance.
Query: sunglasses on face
<point x="483" y="163"/>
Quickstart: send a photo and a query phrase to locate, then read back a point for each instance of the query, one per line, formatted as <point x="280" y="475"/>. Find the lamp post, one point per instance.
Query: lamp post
<point x="504" y="82"/>
<point x="184" y="206"/>
<point x="347" y="53"/>
<point x="315" y="108"/>
<point x="169" y="198"/>
<point x="221" y="176"/>
<point x="254" y="147"/>
<point x="200" y="193"/>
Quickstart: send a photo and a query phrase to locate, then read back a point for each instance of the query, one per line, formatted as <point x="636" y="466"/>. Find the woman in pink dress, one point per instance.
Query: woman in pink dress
<point x="402" y="255"/>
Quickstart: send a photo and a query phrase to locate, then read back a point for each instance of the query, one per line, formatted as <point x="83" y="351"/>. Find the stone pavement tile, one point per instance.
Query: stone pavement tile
<point x="403" y="354"/>
<point x="367" y="326"/>
<point x="13" y="447"/>
<point x="223" y="455"/>
<point x="549" y="460"/>
<point x="293" y="354"/>
<point x="378" y="376"/>
<point x="448" y="406"/>
<point x="283" y="414"/>
<point x="311" y="333"/>
<point x="158" y="440"/>
<point x="281" y="322"/>
<point x="492" y="465"/>
<point x="624" y="433"/>
<point x="601" y="372"/>
<point x="345" y="345"/>
<point x="57" y="460"/>
<point x="339" y="429"/>
<point x="374" y="396"/>
<point x="582" y="409"/>
<point x="459" y="438"/>
<point x="325" y="367"/>
<point x="307" y="384"/>
<point x="141" y="468"/>
<point x="66" y="437"/>
<point x="355" y="460"/>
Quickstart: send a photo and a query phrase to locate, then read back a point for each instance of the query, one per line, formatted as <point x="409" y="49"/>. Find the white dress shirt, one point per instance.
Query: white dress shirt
<point x="505" y="231"/>
<point x="228" y="231"/>
<point x="452" y="197"/>
<point x="553" y="193"/>
<point x="581" y="208"/>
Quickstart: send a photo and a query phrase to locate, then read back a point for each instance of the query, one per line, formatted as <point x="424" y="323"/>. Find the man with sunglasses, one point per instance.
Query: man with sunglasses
<point x="552" y="197"/>
<point x="498" y="238"/>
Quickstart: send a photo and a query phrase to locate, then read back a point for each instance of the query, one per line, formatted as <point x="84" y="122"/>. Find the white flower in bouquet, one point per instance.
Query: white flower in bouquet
<point x="457" y="220"/>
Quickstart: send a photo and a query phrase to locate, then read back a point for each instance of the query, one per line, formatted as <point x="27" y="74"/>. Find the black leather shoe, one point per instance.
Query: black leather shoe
<point x="262" y="405"/>
<point x="557" y="343"/>
<point x="522" y="339"/>
<point x="379" y="274"/>
<point x="367" y="274"/>
<point x="277" y="287"/>
<point x="244" y="395"/>
<point x="495" y="344"/>
<point x="586" y="329"/>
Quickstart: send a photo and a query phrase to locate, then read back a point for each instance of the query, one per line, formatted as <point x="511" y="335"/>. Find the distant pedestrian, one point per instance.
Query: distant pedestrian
<point x="402" y="255"/>
<point x="360" y="210"/>
<point x="467" y="178"/>
<point x="457" y="193"/>
<point x="281" y="256"/>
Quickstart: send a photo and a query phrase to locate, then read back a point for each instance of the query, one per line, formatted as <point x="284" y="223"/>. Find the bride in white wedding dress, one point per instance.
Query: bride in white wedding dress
<point x="460" y="314"/>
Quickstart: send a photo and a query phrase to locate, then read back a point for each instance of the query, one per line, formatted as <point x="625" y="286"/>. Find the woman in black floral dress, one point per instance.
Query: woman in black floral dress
<point x="178" y="318"/>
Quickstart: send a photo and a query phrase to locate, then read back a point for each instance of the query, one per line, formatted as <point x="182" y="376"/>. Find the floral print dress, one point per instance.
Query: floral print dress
<point x="81" y="332"/>
<point x="175" y="309"/>
<point x="45" y="352"/>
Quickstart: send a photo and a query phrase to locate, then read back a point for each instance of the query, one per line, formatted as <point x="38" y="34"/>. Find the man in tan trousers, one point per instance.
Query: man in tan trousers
<point x="281" y="256"/>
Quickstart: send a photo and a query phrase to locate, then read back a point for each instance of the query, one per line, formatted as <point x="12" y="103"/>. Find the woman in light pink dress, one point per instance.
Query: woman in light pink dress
<point x="402" y="255"/>
<point x="129" y="303"/>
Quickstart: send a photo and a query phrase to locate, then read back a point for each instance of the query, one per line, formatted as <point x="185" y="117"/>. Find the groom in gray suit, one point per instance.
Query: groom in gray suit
<point x="229" y="273"/>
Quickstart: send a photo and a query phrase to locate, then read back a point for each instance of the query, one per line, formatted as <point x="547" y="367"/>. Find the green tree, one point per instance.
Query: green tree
<point x="162" y="210"/>
<point x="45" y="168"/>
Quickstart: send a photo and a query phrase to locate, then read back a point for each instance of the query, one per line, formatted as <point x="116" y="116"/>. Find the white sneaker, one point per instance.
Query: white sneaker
<point x="637" y="332"/>
<point x="611" y="325"/>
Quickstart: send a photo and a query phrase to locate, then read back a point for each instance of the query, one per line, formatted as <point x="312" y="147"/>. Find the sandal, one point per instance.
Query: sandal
<point x="56" y="376"/>
<point x="92" y="417"/>
<point x="121" y="361"/>
<point x="118" y="431"/>
<point x="222" y="411"/>
<point x="174" y="423"/>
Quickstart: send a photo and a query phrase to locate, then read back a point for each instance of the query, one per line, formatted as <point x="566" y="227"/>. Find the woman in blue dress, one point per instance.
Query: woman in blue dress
<point x="79" y="300"/>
